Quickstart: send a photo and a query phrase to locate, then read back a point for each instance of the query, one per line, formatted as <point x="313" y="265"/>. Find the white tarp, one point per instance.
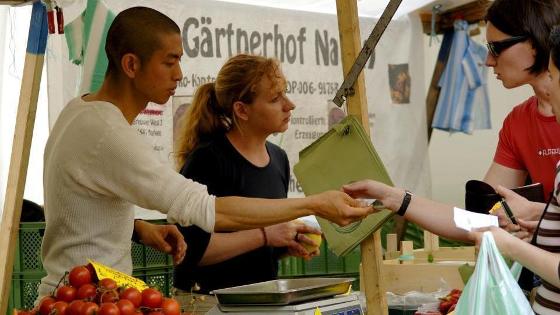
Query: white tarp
<point x="311" y="62"/>
<point x="308" y="46"/>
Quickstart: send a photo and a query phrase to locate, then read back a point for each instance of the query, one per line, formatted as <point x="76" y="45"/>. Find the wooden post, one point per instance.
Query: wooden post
<point x="372" y="255"/>
<point x="391" y="249"/>
<point x="407" y="250"/>
<point x="25" y="121"/>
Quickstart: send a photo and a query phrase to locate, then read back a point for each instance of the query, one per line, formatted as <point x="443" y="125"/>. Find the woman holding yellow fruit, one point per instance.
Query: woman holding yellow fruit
<point x="223" y="144"/>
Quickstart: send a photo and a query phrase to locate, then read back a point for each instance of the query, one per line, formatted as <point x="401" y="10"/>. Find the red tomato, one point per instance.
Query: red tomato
<point x="155" y="313"/>
<point x="108" y="309"/>
<point x="46" y="305"/>
<point x="126" y="307"/>
<point x="107" y="283"/>
<point x="151" y="298"/>
<point x="170" y="307"/>
<point x="59" y="308"/>
<point x="79" y="276"/>
<point x="89" y="308"/>
<point x="74" y="307"/>
<point x="133" y="295"/>
<point x="66" y="293"/>
<point x="87" y="291"/>
<point x="109" y="296"/>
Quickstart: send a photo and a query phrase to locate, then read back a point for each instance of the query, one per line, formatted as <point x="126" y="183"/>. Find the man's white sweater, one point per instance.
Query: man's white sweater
<point x="96" y="167"/>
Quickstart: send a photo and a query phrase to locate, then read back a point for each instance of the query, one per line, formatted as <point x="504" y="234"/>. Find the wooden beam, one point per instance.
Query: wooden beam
<point x="472" y="12"/>
<point x="21" y="146"/>
<point x="372" y="255"/>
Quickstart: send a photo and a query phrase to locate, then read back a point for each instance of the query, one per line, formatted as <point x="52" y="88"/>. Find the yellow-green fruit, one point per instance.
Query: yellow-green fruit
<point x="315" y="238"/>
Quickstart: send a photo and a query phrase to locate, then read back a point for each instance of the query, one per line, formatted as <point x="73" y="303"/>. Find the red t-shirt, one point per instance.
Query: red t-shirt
<point x="530" y="141"/>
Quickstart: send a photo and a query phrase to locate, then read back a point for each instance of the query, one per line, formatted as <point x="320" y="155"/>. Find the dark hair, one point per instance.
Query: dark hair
<point x="211" y="111"/>
<point x="555" y="46"/>
<point x="136" y="30"/>
<point x="531" y="18"/>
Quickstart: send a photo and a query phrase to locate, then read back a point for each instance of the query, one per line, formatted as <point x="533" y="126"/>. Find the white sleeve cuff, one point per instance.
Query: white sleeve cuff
<point x="194" y="206"/>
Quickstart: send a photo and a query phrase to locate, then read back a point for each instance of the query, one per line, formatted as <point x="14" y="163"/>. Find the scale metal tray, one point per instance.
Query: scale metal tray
<point x="283" y="291"/>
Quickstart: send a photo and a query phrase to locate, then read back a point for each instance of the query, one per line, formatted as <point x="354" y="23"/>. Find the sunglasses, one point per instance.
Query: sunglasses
<point x="495" y="48"/>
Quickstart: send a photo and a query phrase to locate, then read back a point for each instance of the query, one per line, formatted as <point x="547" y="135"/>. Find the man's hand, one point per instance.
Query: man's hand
<point x="340" y="208"/>
<point x="165" y="238"/>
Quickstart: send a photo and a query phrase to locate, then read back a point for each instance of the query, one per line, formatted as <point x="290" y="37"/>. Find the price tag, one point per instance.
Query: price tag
<point x="122" y="279"/>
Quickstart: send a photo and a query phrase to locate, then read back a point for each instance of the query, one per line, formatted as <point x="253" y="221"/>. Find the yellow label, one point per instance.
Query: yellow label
<point x="121" y="278"/>
<point x="317" y="311"/>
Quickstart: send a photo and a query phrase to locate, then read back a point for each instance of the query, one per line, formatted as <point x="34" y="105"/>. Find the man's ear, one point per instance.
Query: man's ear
<point x="130" y="64"/>
<point x="240" y="110"/>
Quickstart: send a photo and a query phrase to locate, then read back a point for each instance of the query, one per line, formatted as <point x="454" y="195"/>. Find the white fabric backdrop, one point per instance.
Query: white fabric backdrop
<point x="398" y="128"/>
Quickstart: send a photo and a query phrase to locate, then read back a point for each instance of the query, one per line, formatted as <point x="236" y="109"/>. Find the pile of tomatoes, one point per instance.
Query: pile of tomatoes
<point x="449" y="302"/>
<point x="81" y="293"/>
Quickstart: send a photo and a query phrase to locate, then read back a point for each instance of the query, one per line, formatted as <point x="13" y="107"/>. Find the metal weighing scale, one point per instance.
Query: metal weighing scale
<point x="290" y="296"/>
<point x="339" y="305"/>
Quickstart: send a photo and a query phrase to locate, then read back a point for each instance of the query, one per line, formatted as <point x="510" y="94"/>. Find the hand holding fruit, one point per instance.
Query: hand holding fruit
<point x="284" y="234"/>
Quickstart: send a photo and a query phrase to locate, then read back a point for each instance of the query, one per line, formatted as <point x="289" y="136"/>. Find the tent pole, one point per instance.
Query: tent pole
<point x="29" y="93"/>
<point x="372" y="255"/>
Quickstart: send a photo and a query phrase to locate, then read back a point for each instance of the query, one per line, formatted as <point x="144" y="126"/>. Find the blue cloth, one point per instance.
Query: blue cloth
<point x="463" y="103"/>
<point x="37" y="38"/>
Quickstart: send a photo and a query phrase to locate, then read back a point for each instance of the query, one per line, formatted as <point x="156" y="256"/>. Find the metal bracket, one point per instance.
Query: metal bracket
<point x="347" y="87"/>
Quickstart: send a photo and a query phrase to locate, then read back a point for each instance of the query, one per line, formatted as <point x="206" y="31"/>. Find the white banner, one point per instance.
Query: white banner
<point x="308" y="46"/>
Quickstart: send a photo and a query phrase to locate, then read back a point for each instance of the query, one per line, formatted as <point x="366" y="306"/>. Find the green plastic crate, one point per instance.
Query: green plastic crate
<point x="24" y="290"/>
<point x="159" y="278"/>
<point x="152" y="266"/>
<point x="327" y="263"/>
<point x="147" y="257"/>
<point x="28" y="247"/>
<point x="28" y="250"/>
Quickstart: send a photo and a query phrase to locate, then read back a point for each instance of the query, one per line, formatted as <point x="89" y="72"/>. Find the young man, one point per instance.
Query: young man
<point x="97" y="167"/>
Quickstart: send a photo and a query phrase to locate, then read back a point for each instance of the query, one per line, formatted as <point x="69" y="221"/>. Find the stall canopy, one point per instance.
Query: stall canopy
<point x="13" y="35"/>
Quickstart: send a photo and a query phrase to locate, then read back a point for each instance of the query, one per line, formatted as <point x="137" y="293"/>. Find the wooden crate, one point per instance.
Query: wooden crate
<point x="431" y="268"/>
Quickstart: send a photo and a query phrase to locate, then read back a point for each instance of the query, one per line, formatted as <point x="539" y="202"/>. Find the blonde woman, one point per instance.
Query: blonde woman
<point x="224" y="146"/>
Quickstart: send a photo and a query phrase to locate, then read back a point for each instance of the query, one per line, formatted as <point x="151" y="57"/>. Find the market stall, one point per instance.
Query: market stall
<point x="312" y="45"/>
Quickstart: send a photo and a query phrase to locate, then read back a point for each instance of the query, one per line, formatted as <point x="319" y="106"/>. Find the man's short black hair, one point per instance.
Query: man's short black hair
<point x="136" y="30"/>
<point x="531" y="18"/>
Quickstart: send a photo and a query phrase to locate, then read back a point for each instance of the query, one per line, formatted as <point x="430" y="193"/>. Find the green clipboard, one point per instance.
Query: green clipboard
<point x="344" y="154"/>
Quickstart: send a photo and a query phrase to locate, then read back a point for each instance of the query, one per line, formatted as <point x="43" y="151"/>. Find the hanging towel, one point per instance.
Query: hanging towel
<point x="85" y="37"/>
<point x="463" y="104"/>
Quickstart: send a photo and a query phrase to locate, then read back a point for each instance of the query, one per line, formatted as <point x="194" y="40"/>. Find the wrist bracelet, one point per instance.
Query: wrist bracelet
<point x="264" y="236"/>
<point x="405" y="203"/>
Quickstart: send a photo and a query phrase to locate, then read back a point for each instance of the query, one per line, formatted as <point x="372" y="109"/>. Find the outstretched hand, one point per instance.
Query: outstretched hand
<point x="340" y="208"/>
<point x="165" y="238"/>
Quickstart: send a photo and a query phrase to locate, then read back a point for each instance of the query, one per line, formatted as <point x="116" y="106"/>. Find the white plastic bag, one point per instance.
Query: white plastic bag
<point x="492" y="289"/>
